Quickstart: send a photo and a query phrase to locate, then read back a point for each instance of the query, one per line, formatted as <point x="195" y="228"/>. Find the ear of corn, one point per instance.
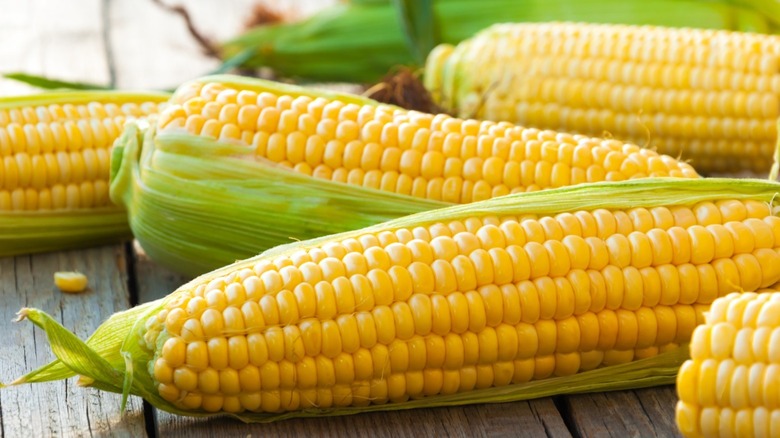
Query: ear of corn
<point x="583" y="288"/>
<point x="729" y="386"/>
<point x="211" y="181"/>
<point x="54" y="168"/>
<point x="324" y="46"/>
<point x="711" y="96"/>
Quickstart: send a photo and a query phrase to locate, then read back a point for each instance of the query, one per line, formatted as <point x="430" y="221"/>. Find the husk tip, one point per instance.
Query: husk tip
<point x="22" y="314"/>
<point x="19" y="381"/>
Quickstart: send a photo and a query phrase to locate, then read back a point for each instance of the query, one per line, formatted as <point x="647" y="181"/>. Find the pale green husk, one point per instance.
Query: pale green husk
<point x="113" y="359"/>
<point x="196" y="203"/>
<point x="41" y="231"/>
<point x="24" y="232"/>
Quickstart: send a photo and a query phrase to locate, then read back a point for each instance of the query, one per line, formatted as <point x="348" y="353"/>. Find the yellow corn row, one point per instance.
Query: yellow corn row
<point x="730" y="385"/>
<point x="360" y="142"/>
<point x="245" y="147"/>
<point x="55" y="151"/>
<point x="515" y="297"/>
<point x="711" y="96"/>
<point x="56" y="156"/>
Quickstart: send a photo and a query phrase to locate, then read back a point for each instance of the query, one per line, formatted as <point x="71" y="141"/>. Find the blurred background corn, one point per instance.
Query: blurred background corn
<point x="56" y="155"/>
<point x="729" y="387"/>
<point x="55" y="165"/>
<point x="253" y="145"/>
<point x="710" y="96"/>
<point x="324" y="47"/>
<point x="472" y="303"/>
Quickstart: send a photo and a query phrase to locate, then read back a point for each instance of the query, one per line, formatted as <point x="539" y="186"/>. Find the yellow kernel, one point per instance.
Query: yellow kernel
<point x="70" y="282"/>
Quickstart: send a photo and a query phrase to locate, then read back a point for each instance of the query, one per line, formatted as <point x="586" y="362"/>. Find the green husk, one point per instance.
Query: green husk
<point x="362" y="41"/>
<point x="24" y="232"/>
<point x="47" y="83"/>
<point x="196" y="203"/>
<point x="27" y="233"/>
<point x="419" y="25"/>
<point x="116" y="348"/>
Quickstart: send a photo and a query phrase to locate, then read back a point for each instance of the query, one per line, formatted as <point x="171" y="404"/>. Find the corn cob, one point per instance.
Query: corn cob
<point x="729" y="386"/>
<point x="54" y="168"/>
<point x="324" y="47"/>
<point x="266" y="142"/>
<point x="582" y="288"/>
<point x="711" y="96"/>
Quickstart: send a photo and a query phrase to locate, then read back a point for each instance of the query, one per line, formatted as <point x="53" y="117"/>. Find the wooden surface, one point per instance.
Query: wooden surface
<point x="136" y="44"/>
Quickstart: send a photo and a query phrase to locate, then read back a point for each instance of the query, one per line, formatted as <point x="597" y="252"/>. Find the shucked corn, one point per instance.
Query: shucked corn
<point x="449" y="307"/>
<point x="439" y="157"/>
<point x="497" y="294"/>
<point x="55" y="148"/>
<point x="712" y="96"/>
<point x="55" y="165"/>
<point x="730" y="385"/>
<point x="244" y="148"/>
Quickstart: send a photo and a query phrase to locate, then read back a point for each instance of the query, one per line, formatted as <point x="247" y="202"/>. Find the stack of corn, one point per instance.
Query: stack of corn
<point x="54" y="168"/>
<point x="583" y="288"/>
<point x="538" y="284"/>
<point x="711" y="96"/>
<point x="212" y="181"/>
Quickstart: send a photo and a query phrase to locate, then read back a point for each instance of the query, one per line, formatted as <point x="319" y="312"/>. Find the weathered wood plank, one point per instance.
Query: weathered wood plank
<point x="522" y="419"/>
<point x="60" y="408"/>
<point x="644" y="412"/>
<point x="152" y="280"/>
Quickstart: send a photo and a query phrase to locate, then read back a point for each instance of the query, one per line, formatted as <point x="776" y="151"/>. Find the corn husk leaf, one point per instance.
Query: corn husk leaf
<point x="419" y="25"/>
<point x="116" y="347"/>
<point x="196" y="203"/>
<point x="48" y="83"/>
<point x="24" y="232"/>
<point x="362" y="41"/>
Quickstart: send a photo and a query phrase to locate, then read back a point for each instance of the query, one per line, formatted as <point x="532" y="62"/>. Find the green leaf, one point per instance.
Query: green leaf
<point x="235" y="61"/>
<point x="53" y="84"/>
<point x="106" y="342"/>
<point x="419" y="25"/>
<point x="72" y="351"/>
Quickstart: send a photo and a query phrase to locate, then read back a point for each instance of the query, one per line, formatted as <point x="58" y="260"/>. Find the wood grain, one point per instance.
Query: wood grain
<point x="522" y="419"/>
<point x="153" y="281"/>
<point x="638" y="413"/>
<point x="60" y="408"/>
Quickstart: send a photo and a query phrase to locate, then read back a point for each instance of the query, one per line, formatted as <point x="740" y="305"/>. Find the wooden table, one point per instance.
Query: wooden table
<point x="137" y="44"/>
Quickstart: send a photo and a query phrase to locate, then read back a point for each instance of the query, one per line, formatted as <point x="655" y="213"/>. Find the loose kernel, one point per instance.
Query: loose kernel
<point x="70" y="282"/>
